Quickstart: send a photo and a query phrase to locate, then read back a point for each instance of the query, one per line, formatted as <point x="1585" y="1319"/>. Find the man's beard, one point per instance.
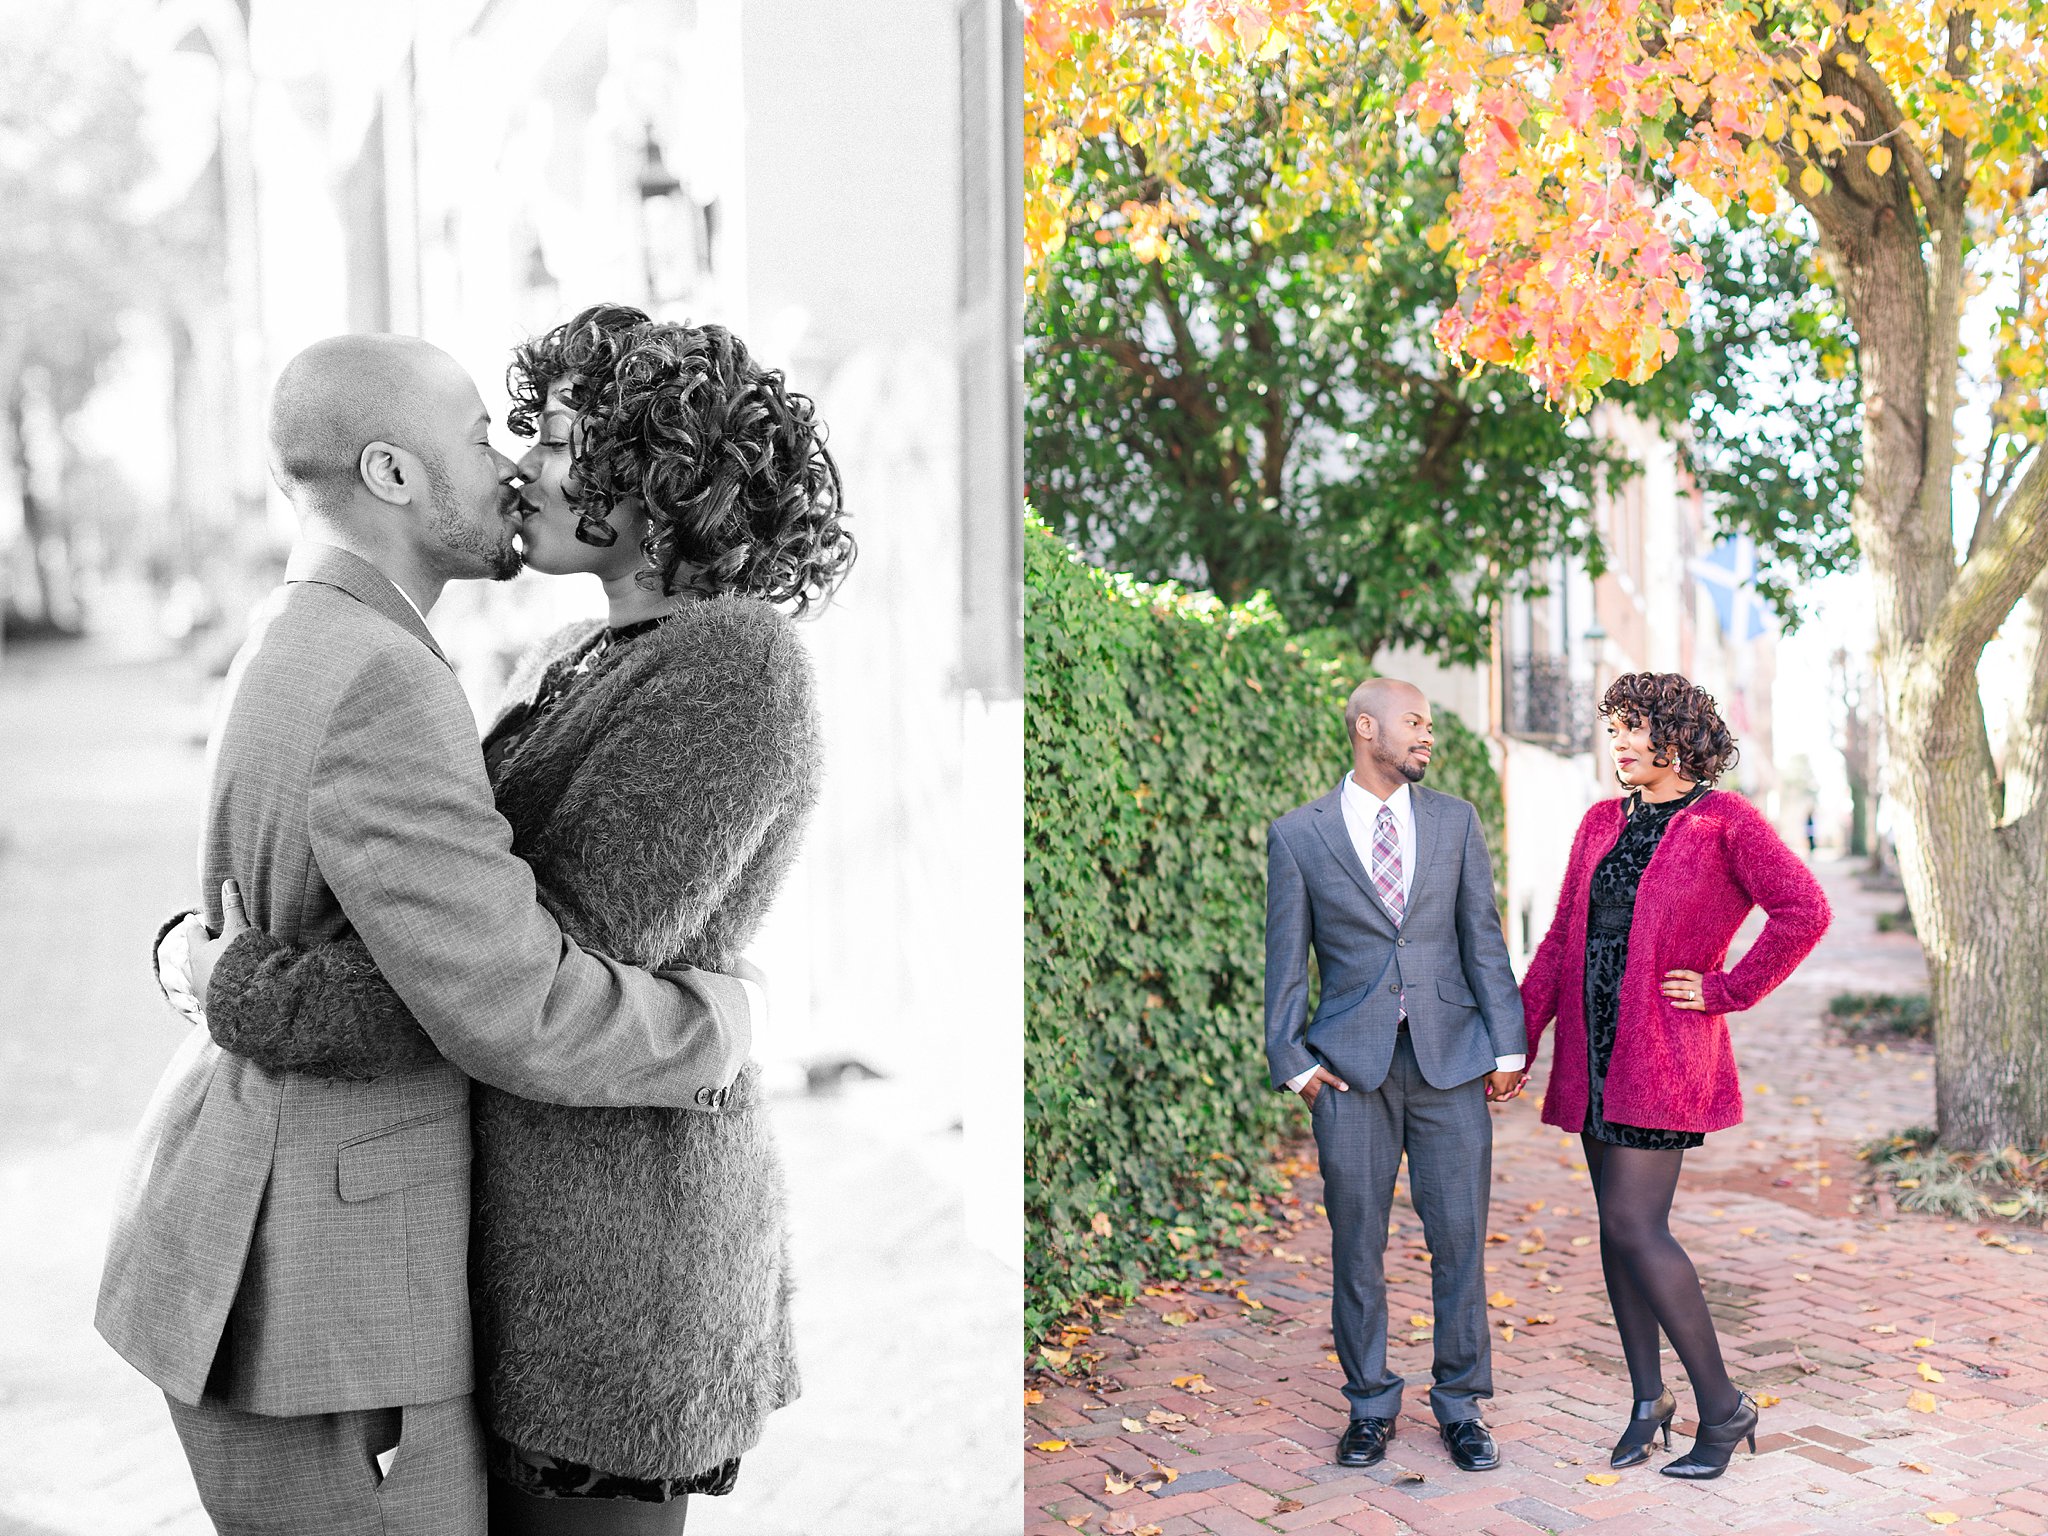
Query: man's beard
<point x="502" y="560"/>
<point x="1405" y="765"/>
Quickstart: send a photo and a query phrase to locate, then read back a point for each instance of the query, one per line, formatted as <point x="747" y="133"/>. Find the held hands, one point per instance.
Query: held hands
<point x="1502" y="1086"/>
<point x="1314" y="1085"/>
<point x="1682" y="990"/>
<point x="203" y="947"/>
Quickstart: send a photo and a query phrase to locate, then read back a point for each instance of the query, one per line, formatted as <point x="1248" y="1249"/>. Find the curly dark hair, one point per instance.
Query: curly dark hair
<point x="742" y="497"/>
<point x="1685" y="727"/>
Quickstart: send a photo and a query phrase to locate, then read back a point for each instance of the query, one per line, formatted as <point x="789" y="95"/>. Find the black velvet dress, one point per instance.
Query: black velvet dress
<point x="1611" y="904"/>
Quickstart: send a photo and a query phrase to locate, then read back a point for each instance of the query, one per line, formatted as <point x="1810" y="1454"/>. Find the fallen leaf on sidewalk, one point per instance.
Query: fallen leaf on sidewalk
<point x="1885" y="1328"/>
<point x="1942" y="1517"/>
<point x="1500" y="1299"/>
<point x="1507" y="1333"/>
<point x="1156" y="1479"/>
<point x="1921" y="1402"/>
<point x="1135" y="1426"/>
<point x="1161" y="1416"/>
<point x="1197" y="1384"/>
<point x="1288" y="1506"/>
<point x="1928" y="1372"/>
<point x="1178" y="1319"/>
<point x="1922" y="1343"/>
<point x="1603" y="1479"/>
<point x="1766" y="1399"/>
<point x="1746" y="1231"/>
<point x="1033" y="1395"/>
<point x="1539" y="1319"/>
<point x="1803" y="1278"/>
<point x="1418" y="1320"/>
<point x="1580" y="1242"/>
<point x="1055" y="1357"/>
<point x="1535" y="1242"/>
<point x="1050" y="1445"/>
<point x="1410" y="1477"/>
<point x="1918" y="1466"/>
<point x="1113" y="1484"/>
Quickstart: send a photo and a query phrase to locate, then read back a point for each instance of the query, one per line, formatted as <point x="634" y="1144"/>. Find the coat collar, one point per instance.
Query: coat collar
<point x="350" y="573"/>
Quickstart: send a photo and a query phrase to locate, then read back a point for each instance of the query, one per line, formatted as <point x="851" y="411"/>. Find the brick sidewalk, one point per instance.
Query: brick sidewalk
<point x="1828" y="1301"/>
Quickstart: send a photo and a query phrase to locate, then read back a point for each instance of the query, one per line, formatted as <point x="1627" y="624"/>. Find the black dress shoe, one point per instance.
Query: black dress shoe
<point x="1470" y="1445"/>
<point x="1364" y="1442"/>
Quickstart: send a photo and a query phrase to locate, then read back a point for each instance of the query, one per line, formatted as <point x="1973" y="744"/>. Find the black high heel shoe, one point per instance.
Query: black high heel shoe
<point x="1715" y="1443"/>
<point x="1629" y="1451"/>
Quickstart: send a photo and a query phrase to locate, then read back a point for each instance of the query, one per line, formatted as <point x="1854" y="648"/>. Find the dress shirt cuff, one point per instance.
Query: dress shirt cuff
<point x="1297" y="1083"/>
<point x="1510" y="1063"/>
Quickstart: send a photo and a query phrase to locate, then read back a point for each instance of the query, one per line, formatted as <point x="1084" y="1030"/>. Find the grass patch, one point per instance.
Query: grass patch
<point x="2007" y="1184"/>
<point x="1869" y="1017"/>
<point x="1900" y="921"/>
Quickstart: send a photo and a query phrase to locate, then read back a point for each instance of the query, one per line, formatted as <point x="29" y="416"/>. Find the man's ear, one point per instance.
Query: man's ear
<point x="389" y="473"/>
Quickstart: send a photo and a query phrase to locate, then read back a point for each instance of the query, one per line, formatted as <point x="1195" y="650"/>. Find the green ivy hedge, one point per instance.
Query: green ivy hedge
<point x="1163" y="731"/>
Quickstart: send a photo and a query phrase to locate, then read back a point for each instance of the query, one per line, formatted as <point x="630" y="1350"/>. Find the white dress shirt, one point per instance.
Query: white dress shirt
<point x="1361" y="814"/>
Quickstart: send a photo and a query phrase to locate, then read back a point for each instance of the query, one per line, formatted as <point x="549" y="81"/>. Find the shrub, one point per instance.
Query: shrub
<point x="1864" y="1016"/>
<point x="1163" y="731"/>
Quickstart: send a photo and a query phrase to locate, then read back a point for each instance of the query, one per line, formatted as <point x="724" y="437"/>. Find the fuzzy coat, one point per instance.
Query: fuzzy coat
<point x="1672" y="1068"/>
<point x="629" y="1267"/>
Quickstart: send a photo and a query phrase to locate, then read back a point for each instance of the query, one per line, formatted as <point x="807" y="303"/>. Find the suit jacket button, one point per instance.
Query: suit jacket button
<point x="703" y="1095"/>
<point x="1401" y="943"/>
<point x="1394" y="987"/>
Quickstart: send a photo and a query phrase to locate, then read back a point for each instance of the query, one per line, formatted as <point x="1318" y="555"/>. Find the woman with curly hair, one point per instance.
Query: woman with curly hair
<point x="1631" y="969"/>
<point x="629" y="1269"/>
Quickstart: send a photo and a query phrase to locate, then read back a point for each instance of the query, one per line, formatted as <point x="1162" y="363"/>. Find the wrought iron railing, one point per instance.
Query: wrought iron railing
<point x="1546" y="704"/>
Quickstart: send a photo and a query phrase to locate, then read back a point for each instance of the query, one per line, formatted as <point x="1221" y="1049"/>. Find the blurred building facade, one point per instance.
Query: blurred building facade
<point x="1554" y="656"/>
<point x="836" y="184"/>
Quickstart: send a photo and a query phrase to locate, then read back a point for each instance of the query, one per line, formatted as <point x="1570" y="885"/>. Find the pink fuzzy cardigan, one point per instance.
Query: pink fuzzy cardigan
<point x="1672" y="1068"/>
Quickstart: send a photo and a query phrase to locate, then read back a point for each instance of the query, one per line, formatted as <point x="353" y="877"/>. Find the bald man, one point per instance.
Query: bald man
<point x="1418" y="1025"/>
<point x="288" y="1256"/>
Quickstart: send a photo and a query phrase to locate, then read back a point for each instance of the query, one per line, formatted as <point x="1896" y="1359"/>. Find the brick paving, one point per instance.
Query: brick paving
<point x="1828" y="1300"/>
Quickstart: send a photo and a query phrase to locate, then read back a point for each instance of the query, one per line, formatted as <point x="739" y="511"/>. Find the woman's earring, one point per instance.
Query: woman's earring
<point x="595" y="531"/>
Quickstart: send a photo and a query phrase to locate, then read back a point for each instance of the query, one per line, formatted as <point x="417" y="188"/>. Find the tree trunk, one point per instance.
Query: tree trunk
<point x="1977" y="886"/>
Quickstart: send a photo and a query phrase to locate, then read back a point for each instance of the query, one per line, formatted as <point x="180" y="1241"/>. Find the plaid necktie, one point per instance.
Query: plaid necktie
<point x="1386" y="862"/>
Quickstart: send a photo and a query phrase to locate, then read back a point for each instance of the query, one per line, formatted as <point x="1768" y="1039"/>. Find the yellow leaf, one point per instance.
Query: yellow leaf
<point x="1050" y="1445"/>
<point x="1178" y="1319"/>
<point x="1922" y="1343"/>
<point x="1197" y="1384"/>
<point x="1135" y="1426"/>
<point x="1803" y="1278"/>
<point x="1331" y="1358"/>
<point x="1811" y="182"/>
<point x="1603" y="1479"/>
<point x="1420" y="1320"/>
<point x="1055" y="1357"/>
<point x="1766" y="1399"/>
<point x="1886" y="1328"/>
<point x="1879" y="159"/>
<point x="1941" y="1517"/>
<point x="1112" y="1484"/>
<point x="1580" y="1242"/>
<point x="1033" y="1395"/>
<point x="1929" y="1373"/>
<point x="1507" y="1333"/>
<point x="1164" y="1416"/>
<point x="1921" y="1402"/>
<point x="1500" y="1299"/>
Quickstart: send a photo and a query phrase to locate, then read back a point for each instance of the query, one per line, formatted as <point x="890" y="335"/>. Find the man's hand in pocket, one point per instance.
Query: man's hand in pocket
<point x="1314" y="1085"/>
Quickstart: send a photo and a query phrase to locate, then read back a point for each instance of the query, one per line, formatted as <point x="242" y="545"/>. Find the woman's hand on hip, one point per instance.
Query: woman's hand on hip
<point x="1682" y="990"/>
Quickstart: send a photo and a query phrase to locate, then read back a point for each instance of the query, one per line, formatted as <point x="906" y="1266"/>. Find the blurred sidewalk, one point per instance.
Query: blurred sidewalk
<point x="1824" y="1301"/>
<point x="907" y="1332"/>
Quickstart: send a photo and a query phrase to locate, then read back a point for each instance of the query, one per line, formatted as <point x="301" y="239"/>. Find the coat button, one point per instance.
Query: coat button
<point x="1394" y="987"/>
<point x="1400" y="943"/>
<point x="703" y="1095"/>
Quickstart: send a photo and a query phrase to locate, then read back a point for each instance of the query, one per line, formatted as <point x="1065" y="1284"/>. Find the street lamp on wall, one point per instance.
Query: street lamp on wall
<point x="676" y="231"/>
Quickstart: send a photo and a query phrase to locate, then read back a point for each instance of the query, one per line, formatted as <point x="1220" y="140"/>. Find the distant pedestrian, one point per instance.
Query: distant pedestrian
<point x="1812" y="837"/>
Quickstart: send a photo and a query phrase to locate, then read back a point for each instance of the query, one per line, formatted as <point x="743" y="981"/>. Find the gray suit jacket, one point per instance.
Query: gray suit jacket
<point x="299" y="1245"/>
<point x="1447" y="956"/>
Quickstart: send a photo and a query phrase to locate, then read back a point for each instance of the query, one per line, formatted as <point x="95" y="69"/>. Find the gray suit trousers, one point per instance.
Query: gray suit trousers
<point x="1448" y="1136"/>
<point x="316" y="1474"/>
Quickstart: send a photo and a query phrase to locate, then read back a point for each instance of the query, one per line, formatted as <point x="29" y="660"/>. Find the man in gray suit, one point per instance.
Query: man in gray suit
<point x="288" y="1259"/>
<point x="1418" y="1025"/>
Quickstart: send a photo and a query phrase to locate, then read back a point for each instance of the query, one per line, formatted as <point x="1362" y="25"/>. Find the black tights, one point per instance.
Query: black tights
<point x="1651" y="1284"/>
